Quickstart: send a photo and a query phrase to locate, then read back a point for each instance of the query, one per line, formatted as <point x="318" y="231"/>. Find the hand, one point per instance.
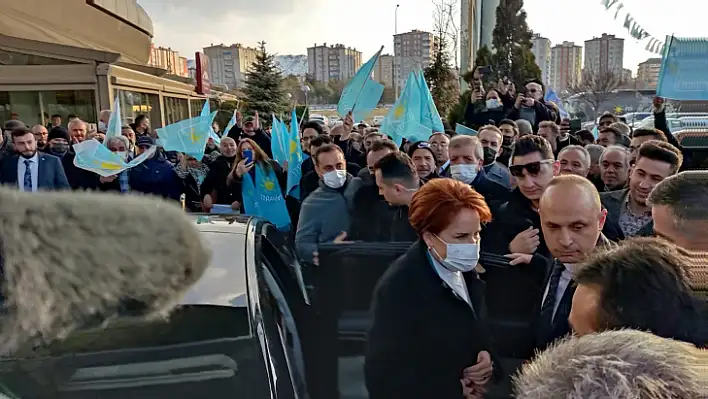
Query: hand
<point x="285" y="166"/>
<point x="517" y="259"/>
<point x="477" y="95"/>
<point x="236" y="206"/>
<point x="341" y="238"/>
<point x="207" y="203"/>
<point x="239" y="117"/>
<point x="242" y="168"/>
<point x="525" y="242"/>
<point x="658" y="104"/>
<point x="472" y="391"/>
<point x="529" y="102"/>
<point x="519" y="100"/>
<point x="108" y="179"/>
<point x="477" y="75"/>
<point x="502" y="87"/>
<point x="256" y="122"/>
<point x="481" y="372"/>
<point x="316" y="258"/>
<point x="348" y="122"/>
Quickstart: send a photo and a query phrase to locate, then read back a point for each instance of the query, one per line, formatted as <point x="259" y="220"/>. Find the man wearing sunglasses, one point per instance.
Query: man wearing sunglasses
<point x="516" y="228"/>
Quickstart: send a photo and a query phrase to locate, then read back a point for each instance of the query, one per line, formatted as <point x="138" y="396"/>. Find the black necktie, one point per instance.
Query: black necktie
<point x="549" y="303"/>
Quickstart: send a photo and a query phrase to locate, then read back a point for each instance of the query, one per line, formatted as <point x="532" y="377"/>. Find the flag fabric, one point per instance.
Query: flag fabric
<point x="206" y="113"/>
<point x="430" y="117"/>
<point x="114" y="122"/>
<point x="188" y="136"/>
<point x="295" y="158"/>
<point x="683" y="69"/>
<point x="279" y="141"/>
<point x="361" y="95"/>
<point x="413" y="113"/>
<point x="552" y="97"/>
<point x="262" y="197"/>
<point x="231" y="124"/>
<point x="462" y="129"/>
<point x="91" y="155"/>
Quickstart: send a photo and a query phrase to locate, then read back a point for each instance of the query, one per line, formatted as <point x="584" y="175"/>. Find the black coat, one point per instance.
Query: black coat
<point x="422" y="335"/>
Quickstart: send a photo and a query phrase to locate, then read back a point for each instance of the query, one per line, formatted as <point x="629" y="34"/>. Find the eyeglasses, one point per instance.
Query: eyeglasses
<point x="533" y="168"/>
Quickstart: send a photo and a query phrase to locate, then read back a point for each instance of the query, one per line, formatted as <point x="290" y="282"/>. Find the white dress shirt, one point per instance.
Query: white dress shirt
<point x="443" y="167"/>
<point x="454" y="280"/>
<point x="565" y="280"/>
<point x="34" y="171"/>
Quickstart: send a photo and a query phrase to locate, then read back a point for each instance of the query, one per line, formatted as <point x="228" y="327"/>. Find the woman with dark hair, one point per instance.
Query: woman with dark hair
<point x="429" y="337"/>
<point x="141" y="126"/>
<point x="642" y="285"/>
<point x="487" y="107"/>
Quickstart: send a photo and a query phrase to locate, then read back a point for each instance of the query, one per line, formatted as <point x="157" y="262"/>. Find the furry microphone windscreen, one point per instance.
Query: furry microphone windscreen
<point x="72" y="259"/>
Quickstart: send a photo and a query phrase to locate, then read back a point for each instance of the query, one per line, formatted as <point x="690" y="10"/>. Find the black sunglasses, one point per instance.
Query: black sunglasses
<point x="532" y="168"/>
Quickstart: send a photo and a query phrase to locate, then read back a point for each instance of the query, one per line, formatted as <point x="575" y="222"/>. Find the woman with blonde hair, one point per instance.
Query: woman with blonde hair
<point x="258" y="185"/>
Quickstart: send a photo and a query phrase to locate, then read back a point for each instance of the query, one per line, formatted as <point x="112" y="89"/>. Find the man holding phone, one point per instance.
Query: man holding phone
<point x="530" y="105"/>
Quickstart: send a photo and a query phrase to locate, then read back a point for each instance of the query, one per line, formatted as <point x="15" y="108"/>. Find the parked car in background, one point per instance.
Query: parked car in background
<point x="318" y="118"/>
<point x="378" y="120"/>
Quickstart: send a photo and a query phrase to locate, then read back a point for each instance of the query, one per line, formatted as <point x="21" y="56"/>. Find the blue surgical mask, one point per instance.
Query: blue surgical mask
<point x="465" y="173"/>
<point x="460" y="257"/>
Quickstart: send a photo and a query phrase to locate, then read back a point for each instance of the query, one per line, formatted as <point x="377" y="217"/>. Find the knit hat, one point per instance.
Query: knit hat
<point x="420" y="145"/>
<point x="59" y="132"/>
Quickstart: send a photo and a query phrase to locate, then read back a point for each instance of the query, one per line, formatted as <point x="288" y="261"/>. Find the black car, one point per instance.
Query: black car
<point x="233" y="335"/>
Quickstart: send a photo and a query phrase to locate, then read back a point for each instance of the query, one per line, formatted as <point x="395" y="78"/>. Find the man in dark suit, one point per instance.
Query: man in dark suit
<point x="572" y="220"/>
<point x="30" y="170"/>
<point x="628" y="214"/>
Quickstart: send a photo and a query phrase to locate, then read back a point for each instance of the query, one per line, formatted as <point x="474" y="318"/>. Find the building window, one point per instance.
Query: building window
<point x="134" y="103"/>
<point x="36" y="107"/>
<point x="176" y="109"/>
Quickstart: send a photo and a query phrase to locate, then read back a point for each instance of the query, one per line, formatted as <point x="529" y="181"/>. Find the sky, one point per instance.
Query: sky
<point x="290" y="26"/>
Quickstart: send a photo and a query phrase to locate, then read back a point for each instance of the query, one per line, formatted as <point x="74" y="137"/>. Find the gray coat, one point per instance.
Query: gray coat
<point x="323" y="216"/>
<point x="613" y="201"/>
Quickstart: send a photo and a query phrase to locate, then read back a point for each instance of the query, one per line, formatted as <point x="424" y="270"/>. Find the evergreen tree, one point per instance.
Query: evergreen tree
<point x="264" y="91"/>
<point x="512" y="45"/>
<point x="441" y="79"/>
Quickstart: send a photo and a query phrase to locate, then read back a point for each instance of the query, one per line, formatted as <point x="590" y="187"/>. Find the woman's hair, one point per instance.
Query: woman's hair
<point x="486" y="95"/>
<point x="436" y="204"/>
<point x="259" y="155"/>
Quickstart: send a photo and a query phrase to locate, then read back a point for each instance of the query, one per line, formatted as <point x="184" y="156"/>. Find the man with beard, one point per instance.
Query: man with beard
<point x="29" y="170"/>
<point x="492" y="140"/>
<point x="40" y="135"/>
<point x="628" y="214"/>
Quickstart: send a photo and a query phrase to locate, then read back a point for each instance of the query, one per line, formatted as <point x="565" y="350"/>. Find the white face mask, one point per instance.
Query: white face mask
<point x="493" y="103"/>
<point x="460" y="257"/>
<point x="465" y="173"/>
<point x="335" y="179"/>
<point x="102" y="125"/>
<point x="123" y="155"/>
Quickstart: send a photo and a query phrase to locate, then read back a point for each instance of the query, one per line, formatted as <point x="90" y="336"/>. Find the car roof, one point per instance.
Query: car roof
<point x="224" y="281"/>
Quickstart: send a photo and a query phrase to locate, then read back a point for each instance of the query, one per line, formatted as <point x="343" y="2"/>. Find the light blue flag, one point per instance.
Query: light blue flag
<point x="362" y="94"/>
<point x="295" y="158"/>
<point x="263" y="198"/>
<point x="114" y="122"/>
<point x="430" y="116"/>
<point x="683" y="69"/>
<point x="404" y="119"/>
<point x="231" y="124"/>
<point x="206" y="113"/>
<point x="595" y="132"/>
<point x="462" y="129"/>
<point x="552" y="97"/>
<point x="188" y="136"/>
<point x="278" y="141"/>
<point x="91" y="155"/>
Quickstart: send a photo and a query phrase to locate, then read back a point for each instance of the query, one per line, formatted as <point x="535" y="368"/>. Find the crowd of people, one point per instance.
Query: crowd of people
<point x="600" y="234"/>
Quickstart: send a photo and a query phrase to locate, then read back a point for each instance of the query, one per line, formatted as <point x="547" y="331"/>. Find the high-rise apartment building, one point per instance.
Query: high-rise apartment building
<point x="566" y="63"/>
<point x="542" y="51"/>
<point x="228" y="64"/>
<point x="412" y="50"/>
<point x="604" y="54"/>
<point x="383" y="70"/>
<point x="166" y="58"/>
<point x="334" y="62"/>
<point x="648" y="73"/>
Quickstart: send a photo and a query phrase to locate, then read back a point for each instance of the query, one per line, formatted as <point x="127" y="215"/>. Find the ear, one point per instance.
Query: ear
<point x="556" y="168"/>
<point x="427" y="239"/>
<point x="603" y="218"/>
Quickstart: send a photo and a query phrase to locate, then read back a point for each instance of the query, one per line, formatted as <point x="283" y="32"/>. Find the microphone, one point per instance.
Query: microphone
<point x="74" y="259"/>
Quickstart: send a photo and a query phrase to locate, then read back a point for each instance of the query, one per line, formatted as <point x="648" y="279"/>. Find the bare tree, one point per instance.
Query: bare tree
<point x="596" y="88"/>
<point x="445" y="27"/>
